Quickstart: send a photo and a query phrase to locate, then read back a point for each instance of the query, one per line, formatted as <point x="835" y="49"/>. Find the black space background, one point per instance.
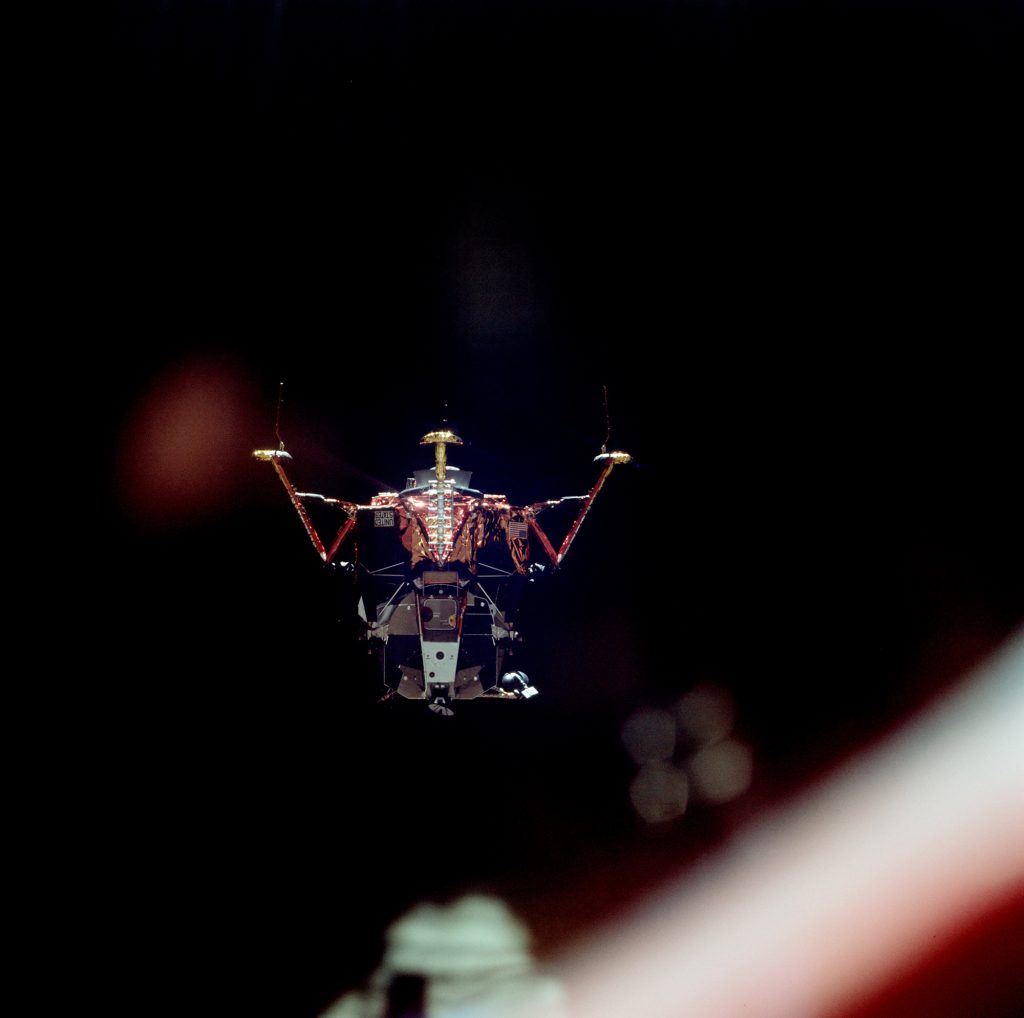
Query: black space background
<point x="782" y="233"/>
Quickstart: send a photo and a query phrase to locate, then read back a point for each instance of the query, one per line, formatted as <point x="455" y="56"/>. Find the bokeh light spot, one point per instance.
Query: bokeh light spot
<point x="706" y="713"/>
<point x="659" y="792"/>
<point x="183" y="448"/>
<point x="720" y="772"/>
<point x="649" y="734"/>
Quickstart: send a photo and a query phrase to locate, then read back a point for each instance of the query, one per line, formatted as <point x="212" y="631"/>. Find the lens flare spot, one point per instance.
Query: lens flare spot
<point x="183" y="448"/>
<point x="720" y="772"/>
<point x="706" y="713"/>
<point x="649" y="734"/>
<point x="659" y="792"/>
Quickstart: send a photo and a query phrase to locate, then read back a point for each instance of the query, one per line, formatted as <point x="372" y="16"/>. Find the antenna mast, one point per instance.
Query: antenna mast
<point x="607" y="421"/>
<point x="277" y="422"/>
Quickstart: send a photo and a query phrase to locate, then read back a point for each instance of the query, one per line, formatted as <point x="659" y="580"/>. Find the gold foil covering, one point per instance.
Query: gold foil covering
<point x="414" y="539"/>
<point x="439" y="440"/>
<point x="449" y="437"/>
<point x="481" y="527"/>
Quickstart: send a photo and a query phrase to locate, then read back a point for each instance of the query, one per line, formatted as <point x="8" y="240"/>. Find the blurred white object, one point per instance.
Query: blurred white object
<point x="821" y="904"/>
<point x="472" y="959"/>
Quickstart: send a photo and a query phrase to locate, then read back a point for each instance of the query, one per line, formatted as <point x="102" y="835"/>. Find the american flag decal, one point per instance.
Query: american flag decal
<point x="518" y="530"/>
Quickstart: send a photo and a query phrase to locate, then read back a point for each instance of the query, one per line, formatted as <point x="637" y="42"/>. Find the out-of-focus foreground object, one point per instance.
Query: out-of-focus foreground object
<point x="471" y="957"/>
<point x="822" y="907"/>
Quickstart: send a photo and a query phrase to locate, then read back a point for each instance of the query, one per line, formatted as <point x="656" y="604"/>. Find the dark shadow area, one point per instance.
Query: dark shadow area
<point x="775" y="230"/>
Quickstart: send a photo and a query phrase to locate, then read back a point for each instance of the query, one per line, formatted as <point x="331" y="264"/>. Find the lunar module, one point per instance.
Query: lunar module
<point x="439" y="569"/>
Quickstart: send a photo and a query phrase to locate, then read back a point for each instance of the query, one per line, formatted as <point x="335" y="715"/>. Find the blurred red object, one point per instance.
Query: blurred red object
<point x="184" y="445"/>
